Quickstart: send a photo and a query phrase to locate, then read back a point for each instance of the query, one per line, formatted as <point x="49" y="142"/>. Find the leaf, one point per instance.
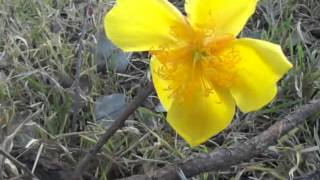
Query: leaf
<point x="109" y="55"/>
<point x="109" y="107"/>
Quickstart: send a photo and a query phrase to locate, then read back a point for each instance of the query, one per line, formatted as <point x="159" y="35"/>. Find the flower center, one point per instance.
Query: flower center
<point x="199" y="55"/>
<point x="204" y="64"/>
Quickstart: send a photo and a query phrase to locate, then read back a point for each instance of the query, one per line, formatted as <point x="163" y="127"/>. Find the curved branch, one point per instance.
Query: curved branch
<point x="223" y="158"/>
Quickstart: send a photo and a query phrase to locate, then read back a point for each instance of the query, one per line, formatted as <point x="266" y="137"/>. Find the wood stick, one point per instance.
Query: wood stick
<point x="118" y="123"/>
<point x="240" y="152"/>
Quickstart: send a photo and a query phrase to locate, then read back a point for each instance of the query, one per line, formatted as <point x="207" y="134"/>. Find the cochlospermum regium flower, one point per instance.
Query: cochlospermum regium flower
<point x="200" y="70"/>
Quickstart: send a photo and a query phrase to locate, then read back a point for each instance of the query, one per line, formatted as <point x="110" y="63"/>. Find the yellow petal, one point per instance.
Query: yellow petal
<point x="260" y="66"/>
<point x="198" y="117"/>
<point x="222" y="17"/>
<point x="167" y="68"/>
<point x="144" y="25"/>
<point x="160" y="84"/>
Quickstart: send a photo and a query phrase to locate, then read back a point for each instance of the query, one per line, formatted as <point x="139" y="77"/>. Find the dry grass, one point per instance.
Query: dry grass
<point x="37" y="56"/>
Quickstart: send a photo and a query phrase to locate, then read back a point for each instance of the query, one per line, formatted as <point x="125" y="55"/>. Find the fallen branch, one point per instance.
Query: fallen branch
<point x="79" y="60"/>
<point x="118" y="123"/>
<point x="224" y="158"/>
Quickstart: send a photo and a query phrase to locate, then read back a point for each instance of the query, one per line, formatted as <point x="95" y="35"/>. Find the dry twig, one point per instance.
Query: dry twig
<point x="118" y="123"/>
<point x="79" y="60"/>
<point x="224" y="158"/>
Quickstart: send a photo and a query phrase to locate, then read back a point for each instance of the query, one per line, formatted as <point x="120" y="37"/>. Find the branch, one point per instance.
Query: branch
<point x="79" y="60"/>
<point x="118" y="123"/>
<point x="223" y="158"/>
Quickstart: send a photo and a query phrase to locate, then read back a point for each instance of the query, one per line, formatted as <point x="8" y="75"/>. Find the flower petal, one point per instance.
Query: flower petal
<point x="170" y="72"/>
<point x="160" y="84"/>
<point x="222" y="17"/>
<point x="198" y="117"/>
<point x="144" y="25"/>
<point x="260" y="66"/>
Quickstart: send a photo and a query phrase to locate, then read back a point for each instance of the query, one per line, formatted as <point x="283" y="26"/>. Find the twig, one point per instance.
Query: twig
<point x="224" y="158"/>
<point x="118" y="123"/>
<point x="79" y="60"/>
<point x="37" y="158"/>
<point x="18" y="163"/>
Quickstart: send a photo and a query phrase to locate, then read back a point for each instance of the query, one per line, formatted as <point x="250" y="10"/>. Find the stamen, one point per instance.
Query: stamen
<point x="222" y="69"/>
<point x="202" y="65"/>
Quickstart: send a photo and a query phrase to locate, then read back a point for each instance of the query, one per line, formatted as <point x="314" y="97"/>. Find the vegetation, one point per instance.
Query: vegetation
<point x="38" y="45"/>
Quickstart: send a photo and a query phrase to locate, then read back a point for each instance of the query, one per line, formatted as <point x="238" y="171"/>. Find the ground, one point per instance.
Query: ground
<point x="38" y="45"/>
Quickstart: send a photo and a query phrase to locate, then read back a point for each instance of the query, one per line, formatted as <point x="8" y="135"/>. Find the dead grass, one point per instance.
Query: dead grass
<point x="37" y="47"/>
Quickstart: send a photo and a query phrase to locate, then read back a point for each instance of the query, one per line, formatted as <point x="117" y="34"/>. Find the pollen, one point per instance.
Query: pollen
<point x="207" y="63"/>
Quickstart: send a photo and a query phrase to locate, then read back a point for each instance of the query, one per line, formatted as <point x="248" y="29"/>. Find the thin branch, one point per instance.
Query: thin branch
<point x="79" y="60"/>
<point x="37" y="158"/>
<point x="17" y="163"/>
<point x="224" y="158"/>
<point x="118" y="123"/>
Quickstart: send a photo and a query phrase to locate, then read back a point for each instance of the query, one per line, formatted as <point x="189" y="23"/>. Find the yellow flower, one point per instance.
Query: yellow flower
<point x="200" y="70"/>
